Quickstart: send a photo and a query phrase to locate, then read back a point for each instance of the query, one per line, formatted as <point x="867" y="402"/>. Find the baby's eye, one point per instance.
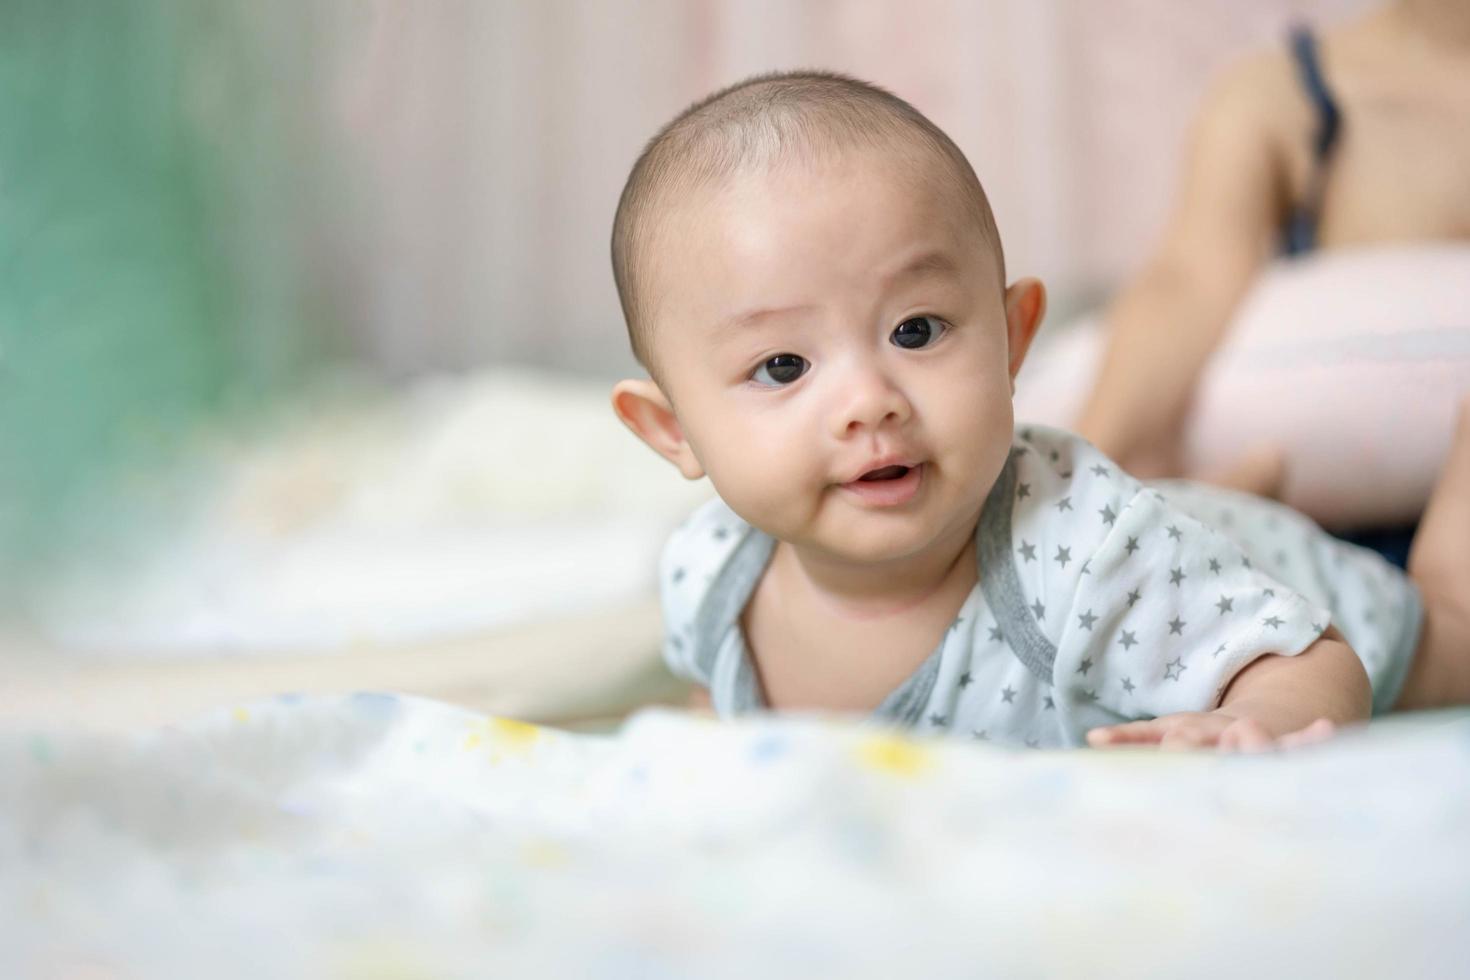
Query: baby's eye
<point x="781" y="370"/>
<point x="918" y="331"/>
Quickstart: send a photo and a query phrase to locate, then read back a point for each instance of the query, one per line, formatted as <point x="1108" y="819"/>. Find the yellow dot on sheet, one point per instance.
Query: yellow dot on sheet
<point x="241" y="714"/>
<point x="471" y="740"/>
<point x="544" y="854"/>
<point x="895" y="756"/>
<point x="514" y="732"/>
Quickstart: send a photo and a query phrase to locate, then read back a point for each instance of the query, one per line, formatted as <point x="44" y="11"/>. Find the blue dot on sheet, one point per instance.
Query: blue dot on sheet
<point x="375" y="703"/>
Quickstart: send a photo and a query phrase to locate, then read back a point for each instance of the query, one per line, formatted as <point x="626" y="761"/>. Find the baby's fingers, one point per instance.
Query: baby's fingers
<point x="1245" y="735"/>
<point x="1147" y="732"/>
<point x="1189" y="737"/>
<point x="1318" y="731"/>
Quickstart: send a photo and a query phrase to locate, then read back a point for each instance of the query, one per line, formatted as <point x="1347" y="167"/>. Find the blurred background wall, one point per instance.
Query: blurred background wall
<point x="204" y="205"/>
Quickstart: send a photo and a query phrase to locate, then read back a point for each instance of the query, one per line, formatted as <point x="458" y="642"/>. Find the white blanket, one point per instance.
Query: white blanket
<point x="379" y="836"/>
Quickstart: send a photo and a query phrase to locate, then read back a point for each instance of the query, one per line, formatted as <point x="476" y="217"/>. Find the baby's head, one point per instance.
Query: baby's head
<point x="812" y="276"/>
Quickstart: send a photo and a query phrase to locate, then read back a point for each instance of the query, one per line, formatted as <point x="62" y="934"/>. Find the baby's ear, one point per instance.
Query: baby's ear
<point x="644" y="408"/>
<point x="1025" y="304"/>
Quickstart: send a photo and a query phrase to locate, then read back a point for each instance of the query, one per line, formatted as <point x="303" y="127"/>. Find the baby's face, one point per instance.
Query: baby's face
<point x="834" y="342"/>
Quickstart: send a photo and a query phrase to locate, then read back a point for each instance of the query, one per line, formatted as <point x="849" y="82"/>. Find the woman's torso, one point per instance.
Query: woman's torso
<point x="1399" y="166"/>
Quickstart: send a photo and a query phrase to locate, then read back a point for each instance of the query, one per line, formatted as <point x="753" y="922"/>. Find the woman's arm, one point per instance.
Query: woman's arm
<point x="1167" y="322"/>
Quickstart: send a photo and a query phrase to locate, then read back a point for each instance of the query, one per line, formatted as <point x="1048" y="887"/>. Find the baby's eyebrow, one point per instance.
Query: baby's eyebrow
<point x="752" y="317"/>
<point x="931" y="263"/>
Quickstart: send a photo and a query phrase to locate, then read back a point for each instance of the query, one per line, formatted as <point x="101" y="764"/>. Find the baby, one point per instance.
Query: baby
<point x="812" y="276"/>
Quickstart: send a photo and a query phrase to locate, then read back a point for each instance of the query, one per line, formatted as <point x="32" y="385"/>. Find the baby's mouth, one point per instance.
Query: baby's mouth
<point x="887" y="486"/>
<point x="884" y="473"/>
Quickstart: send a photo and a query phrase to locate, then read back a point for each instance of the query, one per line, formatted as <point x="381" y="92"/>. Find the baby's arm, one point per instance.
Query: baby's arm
<point x="1273" y="701"/>
<point x="1164" y="326"/>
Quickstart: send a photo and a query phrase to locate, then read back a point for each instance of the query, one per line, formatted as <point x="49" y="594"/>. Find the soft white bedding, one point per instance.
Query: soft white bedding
<point x="378" y="836"/>
<point x="454" y="507"/>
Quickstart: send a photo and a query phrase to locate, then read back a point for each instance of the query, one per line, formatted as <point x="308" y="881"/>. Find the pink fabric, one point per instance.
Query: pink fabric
<point x="1351" y="360"/>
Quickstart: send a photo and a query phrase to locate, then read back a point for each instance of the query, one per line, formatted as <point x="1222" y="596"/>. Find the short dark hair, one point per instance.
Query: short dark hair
<point x="758" y="122"/>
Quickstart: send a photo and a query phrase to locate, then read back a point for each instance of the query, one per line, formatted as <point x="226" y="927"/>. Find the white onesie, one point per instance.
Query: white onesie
<point x="1099" y="600"/>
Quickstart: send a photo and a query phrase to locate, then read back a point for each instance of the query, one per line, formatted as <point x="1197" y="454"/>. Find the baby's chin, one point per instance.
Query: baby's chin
<point x="871" y="541"/>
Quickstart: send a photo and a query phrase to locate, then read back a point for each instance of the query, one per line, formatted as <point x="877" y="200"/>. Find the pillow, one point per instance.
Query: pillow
<point x="1351" y="360"/>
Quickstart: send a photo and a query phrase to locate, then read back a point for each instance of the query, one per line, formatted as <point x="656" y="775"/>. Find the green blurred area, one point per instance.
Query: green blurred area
<point x="151" y="215"/>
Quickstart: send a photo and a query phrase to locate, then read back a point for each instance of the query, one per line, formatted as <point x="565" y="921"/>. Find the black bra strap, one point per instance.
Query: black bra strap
<point x="1300" y="233"/>
<point x="1309" y="69"/>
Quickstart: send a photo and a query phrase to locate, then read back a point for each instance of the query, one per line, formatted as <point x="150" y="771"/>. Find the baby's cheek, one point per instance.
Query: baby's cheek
<point x="765" y="495"/>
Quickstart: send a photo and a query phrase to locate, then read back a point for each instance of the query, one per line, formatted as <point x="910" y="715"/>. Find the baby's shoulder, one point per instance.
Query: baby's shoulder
<point x="1057" y="471"/>
<point x="704" y="577"/>
<point x="696" y="552"/>
<point x="702" y="541"/>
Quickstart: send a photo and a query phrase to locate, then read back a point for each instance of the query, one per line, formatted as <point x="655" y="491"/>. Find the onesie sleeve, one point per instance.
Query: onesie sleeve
<point x="1168" y="613"/>
<point x="678" y="599"/>
<point x="688" y="567"/>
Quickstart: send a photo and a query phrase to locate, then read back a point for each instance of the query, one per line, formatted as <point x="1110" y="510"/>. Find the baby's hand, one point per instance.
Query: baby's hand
<point x="1202" y="729"/>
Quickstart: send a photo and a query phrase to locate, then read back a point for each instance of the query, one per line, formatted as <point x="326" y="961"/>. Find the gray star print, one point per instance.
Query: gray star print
<point x="996" y="634"/>
<point x="1091" y="695"/>
<point x="965" y="680"/>
<point x="1175" y="533"/>
<point x="1176" y="576"/>
<point x="1023" y="491"/>
<point x="1214" y="566"/>
<point x="678" y="575"/>
<point x="1033" y="743"/>
<point x="981" y="735"/>
<point x="1038" y="609"/>
<point x="1064" y="504"/>
<point x="1064" y="555"/>
<point x="1100" y="470"/>
<point x="721" y="533"/>
<point x="1008" y="695"/>
<point x="1225" y="605"/>
<point x="1085" y="666"/>
<point x="1272" y="621"/>
<point x="1129" y="640"/>
<point x="1108" y="516"/>
<point x="1086" y="620"/>
<point x="938" y="721"/>
<point x="1174" y="665"/>
<point x="1133" y="597"/>
<point x="1132" y="545"/>
<point x="1176" y="625"/>
<point x="1128" y="685"/>
<point x="1218" y="650"/>
<point x="1028" y="551"/>
<point x="1050" y="704"/>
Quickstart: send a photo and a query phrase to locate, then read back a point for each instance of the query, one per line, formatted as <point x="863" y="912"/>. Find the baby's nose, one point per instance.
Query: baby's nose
<point x="868" y="400"/>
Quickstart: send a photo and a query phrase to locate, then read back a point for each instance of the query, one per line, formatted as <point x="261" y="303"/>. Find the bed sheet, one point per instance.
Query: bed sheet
<point x="587" y="670"/>
<point x="375" y="835"/>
